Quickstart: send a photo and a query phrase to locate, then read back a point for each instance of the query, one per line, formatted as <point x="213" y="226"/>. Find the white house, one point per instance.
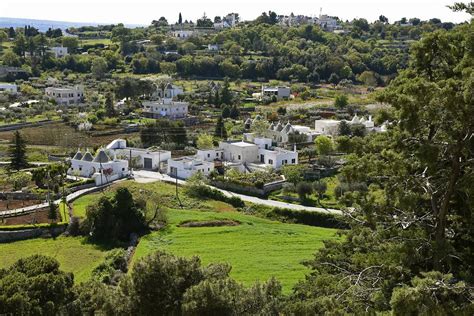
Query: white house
<point x="280" y="133"/>
<point x="165" y="108"/>
<point x="150" y="159"/>
<point x="327" y="22"/>
<point x="327" y="126"/>
<point x="210" y="154"/>
<point x="170" y="91"/>
<point x="260" y="152"/>
<point x="213" y="47"/>
<point x="331" y="127"/>
<point x="59" y="51"/>
<point x="66" y="95"/>
<point x="278" y="92"/>
<point x="183" y="34"/>
<point x="185" y="167"/>
<point x="8" y="87"/>
<point x="102" y="168"/>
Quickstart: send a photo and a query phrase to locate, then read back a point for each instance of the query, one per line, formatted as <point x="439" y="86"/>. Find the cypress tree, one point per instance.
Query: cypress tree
<point x="17" y="152"/>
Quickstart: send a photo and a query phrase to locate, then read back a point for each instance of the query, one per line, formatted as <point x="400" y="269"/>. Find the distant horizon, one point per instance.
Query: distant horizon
<point x="142" y="12"/>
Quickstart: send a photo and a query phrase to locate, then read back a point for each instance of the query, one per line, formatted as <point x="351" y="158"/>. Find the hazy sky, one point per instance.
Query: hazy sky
<point x="144" y="11"/>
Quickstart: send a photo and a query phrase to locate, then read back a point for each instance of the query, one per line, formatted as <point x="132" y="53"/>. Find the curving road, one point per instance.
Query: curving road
<point x="143" y="176"/>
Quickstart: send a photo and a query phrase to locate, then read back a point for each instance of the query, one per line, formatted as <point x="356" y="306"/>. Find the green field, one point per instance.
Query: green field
<point x="257" y="249"/>
<point x="74" y="254"/>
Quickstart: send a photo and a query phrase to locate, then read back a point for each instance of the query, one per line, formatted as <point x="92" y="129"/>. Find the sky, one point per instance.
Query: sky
<point x="144" y="11"/>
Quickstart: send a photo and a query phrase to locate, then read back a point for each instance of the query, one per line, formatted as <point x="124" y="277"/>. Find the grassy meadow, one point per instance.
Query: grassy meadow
<point x="257" y="248"/>
<point x="74" y="253"/>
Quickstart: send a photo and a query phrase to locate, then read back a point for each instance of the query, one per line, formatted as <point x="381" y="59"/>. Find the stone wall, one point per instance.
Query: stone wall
<point x="8" y="236"/>
<point x="19" y="196"/>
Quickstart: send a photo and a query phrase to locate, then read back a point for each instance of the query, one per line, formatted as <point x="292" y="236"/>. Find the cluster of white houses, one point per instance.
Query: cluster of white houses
<point x="114" y="161"/>
<point x="244" y="156"/>
<point x="280" y="132"/>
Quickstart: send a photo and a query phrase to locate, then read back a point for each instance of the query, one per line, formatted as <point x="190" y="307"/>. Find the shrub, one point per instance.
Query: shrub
<point x="115" y="263"/>
<point x="308" y="218"/>
<point x="114" y="218"/>
<point x="304" y="189"/>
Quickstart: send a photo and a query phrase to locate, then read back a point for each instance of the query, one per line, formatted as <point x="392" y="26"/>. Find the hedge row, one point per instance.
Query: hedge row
<point x="31" y="226"/>
<point x="309" y="218"/>
<point x="205" y="191"/>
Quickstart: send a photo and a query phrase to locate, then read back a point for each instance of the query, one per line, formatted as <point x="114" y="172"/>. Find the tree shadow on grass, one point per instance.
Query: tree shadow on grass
<point x="103" y="245"/>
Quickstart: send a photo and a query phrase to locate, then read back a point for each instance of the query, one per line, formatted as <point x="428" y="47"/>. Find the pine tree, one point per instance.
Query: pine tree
<point x="220" y="129"/>
<point x="226" y="112"/>
<point x="109" y="105"/>
<point x="217" y="99"/>
<point x="52" y="214"/>
<point x="234" y="112"/>
<point x="180" y="19"/>
<point x="17" y="152"/>
<point x="226" y="95"/>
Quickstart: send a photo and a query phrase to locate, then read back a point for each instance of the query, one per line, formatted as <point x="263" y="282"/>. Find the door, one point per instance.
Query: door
<point x="147" y="163"/>
<point x="262" y="158"/>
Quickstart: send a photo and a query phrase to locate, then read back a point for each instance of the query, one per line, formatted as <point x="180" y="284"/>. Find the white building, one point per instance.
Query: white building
<point x="327" y="126"/>
<point x="258" y="154"/>
<point x="210" y="154"/>
<point x="331" y="127"/>
<point x="101" y="168"/>
<point x="150" y="159"/>
<point x="281" y="133"/>
<point x="213" y="47"/>
<point x="241" y="155"/>
<point x="327" y="22"/>
<point x="170" y="91"/>
<point x="185" y="167"/>
<point x="8" y="87"/>
<point x="165" y="108"/>
<point x="59" y="51"/>
<point x="278" y="92"/>
<point x="183" y="34"/>
<point x="66" y="95"/>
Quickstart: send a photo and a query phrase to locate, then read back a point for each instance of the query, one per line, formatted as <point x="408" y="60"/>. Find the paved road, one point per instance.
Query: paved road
<point x="142" y="176"/>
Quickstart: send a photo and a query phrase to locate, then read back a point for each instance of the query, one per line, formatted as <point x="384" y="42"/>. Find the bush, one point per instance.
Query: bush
<point x="308" y="218"/>
<point x="114" y="218"/>
<point x="204" y="191"/>
<point x="304" y="189"/>
<point x="115" y="264"/>
<point x="345" y="187"/>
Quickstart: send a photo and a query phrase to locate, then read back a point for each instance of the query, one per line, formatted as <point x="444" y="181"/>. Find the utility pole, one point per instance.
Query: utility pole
<point x="177" y="195"/>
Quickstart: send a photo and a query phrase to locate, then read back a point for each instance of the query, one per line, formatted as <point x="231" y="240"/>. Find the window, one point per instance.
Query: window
<point x="208" y="155"/>
<point x="270" y="161"/>
<point x="217" y="154"/>
<point x="123" y="169"/>
<point x="293" y="161"/>
<point x="80" y="168"/>
<point x="238" y="157"/>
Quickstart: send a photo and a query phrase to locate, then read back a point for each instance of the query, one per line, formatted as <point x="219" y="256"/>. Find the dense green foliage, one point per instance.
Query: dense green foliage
<point x="413" y="223"/>
<point x="34" y="286"/>
<point x="114" y="218"/>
